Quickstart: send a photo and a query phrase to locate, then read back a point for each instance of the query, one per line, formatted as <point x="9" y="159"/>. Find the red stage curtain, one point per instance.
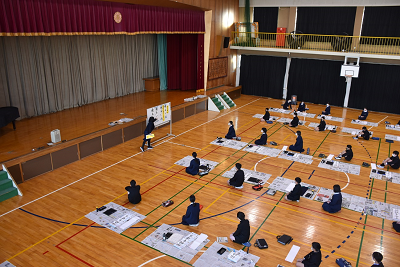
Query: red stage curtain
<point x="82" y="17"/>
<point x="183" y="70"/>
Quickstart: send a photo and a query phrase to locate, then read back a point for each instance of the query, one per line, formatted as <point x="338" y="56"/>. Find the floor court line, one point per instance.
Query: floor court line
<point x="156" y="258"/>
<point x="30" y="202"/>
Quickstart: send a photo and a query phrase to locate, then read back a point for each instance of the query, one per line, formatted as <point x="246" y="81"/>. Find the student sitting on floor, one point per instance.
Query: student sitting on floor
<point x="134" y="196"/>
<point x="312" y="259"/>
<point x="364" y="114"/>
<point x="266" y="115"/>
<point x="302" y="107"/>
<point x="238" y="179"/>
<point x="191" y="217"/>
<point x="193" y="168"/>
<point x="295" y="194"/>
<point x="347" y="154"/>
<point x="242" y="233"/>
<point x="364" y="134"/>
<point x="295" y="121"/>
<point x="231" y="132"/>
<point x="335" y="204"/>
<point x="396" y="226"/>
<point x="393" y="161"/>
<point x="298" y="146"/>
<point x="377" y="257"/>
<point x="287" y="104"/>
<point x="263" y="139"/>
<point x="321" y="126"/>
<point x="327" y="110"/>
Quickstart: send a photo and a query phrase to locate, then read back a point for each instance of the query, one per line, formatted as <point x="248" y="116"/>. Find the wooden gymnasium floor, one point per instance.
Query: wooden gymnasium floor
<point x="47" y="227"/>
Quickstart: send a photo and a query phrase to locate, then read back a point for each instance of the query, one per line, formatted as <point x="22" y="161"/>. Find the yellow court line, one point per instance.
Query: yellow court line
<point x="306" y="244"/>
<point x="284" y="139"/>
<point x="217" y="199"/>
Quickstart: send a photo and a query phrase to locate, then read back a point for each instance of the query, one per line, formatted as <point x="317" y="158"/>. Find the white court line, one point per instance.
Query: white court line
<point x="184" y="145"/>
<point x="30" y="202"/>
<point x="255" y="166"/>
<point x="378" y="123"/>
<point x="348" y="181"/>
<point x="143" y="264"/>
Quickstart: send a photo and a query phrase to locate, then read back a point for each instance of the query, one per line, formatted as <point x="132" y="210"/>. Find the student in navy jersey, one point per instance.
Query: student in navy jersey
<point x="191" y="217"/>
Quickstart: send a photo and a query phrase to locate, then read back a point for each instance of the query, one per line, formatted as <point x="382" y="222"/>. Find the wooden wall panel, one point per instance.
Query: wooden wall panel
<point x="190" y="110"/>
<point x="202" y="106"/>
<point x="112" y="139"/>
<point x="178" y="115"/>
<point x="15" y="172"/>
<point x="90" y="147"/>
<point x="37" y="166"/>
<point x="133" y="131"/>
<point x="65" y="156"/>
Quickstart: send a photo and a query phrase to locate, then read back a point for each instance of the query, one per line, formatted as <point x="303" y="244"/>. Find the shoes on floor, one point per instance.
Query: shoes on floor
<point x="239" y="187"/>
<point x="150" y="147"/>
<point x="194" y="225"/>
<point x="141" y="148"/>
<point x="338" y="157"/>
<point x="381" y="166"/>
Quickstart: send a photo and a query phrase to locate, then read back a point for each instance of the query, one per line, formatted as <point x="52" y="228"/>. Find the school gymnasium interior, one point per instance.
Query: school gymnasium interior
<point x="80" y="78"/>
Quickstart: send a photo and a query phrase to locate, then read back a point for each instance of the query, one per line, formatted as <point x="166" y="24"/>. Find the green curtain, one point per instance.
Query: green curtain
<point x="162" y="60"/>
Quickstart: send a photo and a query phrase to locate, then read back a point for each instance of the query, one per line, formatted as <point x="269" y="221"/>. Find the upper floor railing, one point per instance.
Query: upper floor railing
<point x="334" y="43"/>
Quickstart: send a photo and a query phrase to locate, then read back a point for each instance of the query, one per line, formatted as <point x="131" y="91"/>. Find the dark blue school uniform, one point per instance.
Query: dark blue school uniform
<point x="242" y="233"/>
<point x="377" y="265"/>
<point x="266" y="116"/>
<point x="302" y="107"/>
<point x="148" y="130"/>
<point x="287" y="105"/>
<point x="365" y="134"/>
<point x="335" y="205"/>
<point x="193" y="168"/>
<point x="312" y="259"/>
<point x="395" y="163"/>
<point x="322" y="125"/>
<point x="134" y="196"/>
<point x="295" y="194"/>
<point x="294" y="122"/>
<point x="396" y="226"/>
<point x="364" y="115"/>
<point x="192" y="214"/>
<point x="238" y="179"/>
<point x="327" y="111"/>
<point x="231" y="133"/>
<point x="298" y="146"/>
<point x="262" y="141"/>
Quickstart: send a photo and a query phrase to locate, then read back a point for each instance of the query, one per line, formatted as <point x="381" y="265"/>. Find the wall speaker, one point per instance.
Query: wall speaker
<point x="226" y="42"/>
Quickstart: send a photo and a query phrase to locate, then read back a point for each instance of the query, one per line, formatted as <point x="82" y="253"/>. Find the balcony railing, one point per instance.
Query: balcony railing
<point x="334" y="43"/>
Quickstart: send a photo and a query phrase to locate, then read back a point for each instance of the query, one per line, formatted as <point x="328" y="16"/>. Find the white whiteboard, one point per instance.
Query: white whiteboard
<point x="162" y="113"/>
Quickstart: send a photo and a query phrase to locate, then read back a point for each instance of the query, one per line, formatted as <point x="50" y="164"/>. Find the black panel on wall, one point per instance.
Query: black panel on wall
<point x="267" y="18"/>
<point x="383" y="21"/>
<point x="316" y="81"/>
<point x="326" y="20"/>
<point x="377" y="88"/>
<point x="262" y="75"/>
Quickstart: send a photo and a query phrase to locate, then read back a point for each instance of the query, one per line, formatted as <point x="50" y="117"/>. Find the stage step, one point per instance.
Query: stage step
<point x="228" y="100"/>
<point x="7" y="188"/>
<point x="219" y="105"/>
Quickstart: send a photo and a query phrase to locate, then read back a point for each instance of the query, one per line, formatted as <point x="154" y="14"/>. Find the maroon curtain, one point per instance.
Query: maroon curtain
<point x="183" y="70"/>
<point x="80" y="17"/>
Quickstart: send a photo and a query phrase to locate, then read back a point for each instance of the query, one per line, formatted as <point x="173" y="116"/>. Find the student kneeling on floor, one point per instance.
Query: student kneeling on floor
<point x="335" y="204"/>
<point x="231" y="132"/>
<point x="193" y="168"/>
<point x="263" y="139"/>
<point x="312" y="259"/>
<point x="191" y="217"/>
<point x="347" y="154"/>
<point x="242" y="233"/>
<point x="238" y="179"/>
<point x="298" y="146"/>
<point x="295" y="194"/>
